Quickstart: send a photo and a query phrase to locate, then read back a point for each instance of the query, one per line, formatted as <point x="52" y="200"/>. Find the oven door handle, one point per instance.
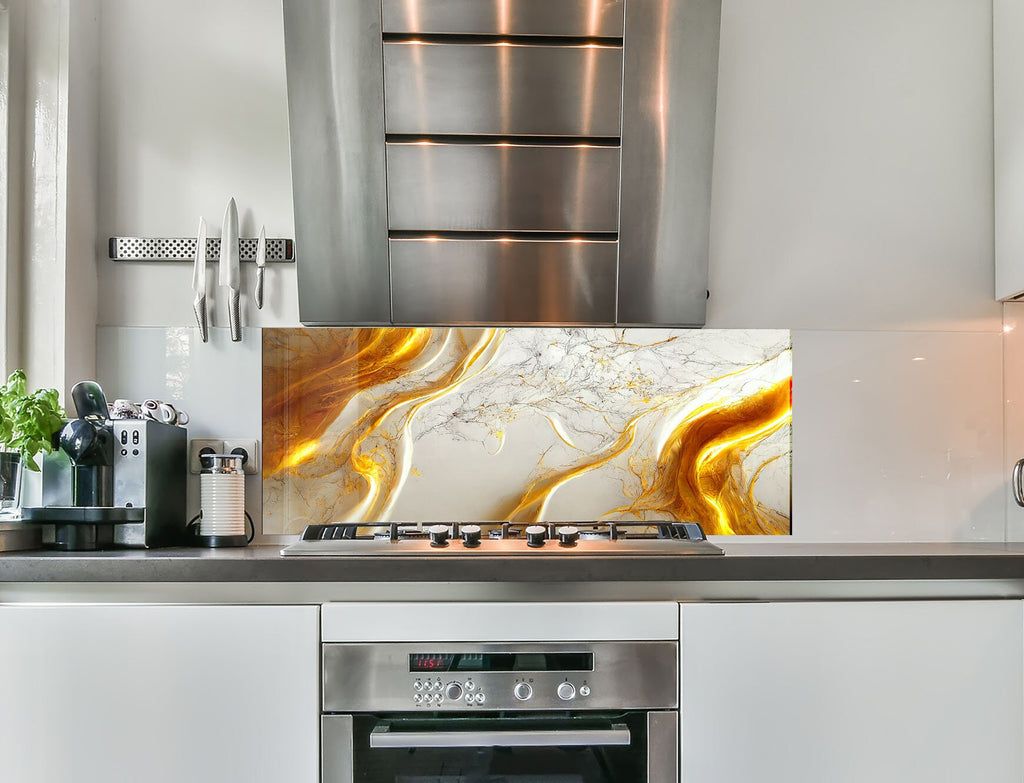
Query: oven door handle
<point x="383" y="737"/>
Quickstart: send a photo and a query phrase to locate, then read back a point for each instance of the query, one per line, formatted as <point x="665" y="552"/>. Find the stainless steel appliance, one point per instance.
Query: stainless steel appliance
<point x="463" y="539"/>
<point x="136" y="498"/>
<point x="502" y="161"/>
<point x="562" y="711"/>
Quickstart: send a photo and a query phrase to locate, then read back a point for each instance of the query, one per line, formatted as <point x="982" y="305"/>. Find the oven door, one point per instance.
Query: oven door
<point x="630" y="747"/>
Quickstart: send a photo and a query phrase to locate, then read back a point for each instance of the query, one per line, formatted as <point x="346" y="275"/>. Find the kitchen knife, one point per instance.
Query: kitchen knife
<point x="199" y="282"/>
<point x="261" y="262"/>
<point x="229" y="276"/>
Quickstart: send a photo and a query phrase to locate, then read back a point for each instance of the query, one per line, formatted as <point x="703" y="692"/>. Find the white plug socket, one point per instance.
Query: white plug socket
<point x="250" y="449"/>
<point x="197" y="446"/>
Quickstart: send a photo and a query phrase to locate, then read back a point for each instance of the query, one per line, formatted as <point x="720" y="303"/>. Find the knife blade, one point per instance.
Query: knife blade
<point x="199" y="282"/>
<point x="229" y="275"/>
<point x="261" y="262"/>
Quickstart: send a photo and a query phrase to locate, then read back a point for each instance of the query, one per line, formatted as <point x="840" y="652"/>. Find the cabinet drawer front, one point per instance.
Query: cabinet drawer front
<point x="503" y="281"/>
<point x="502" y="187"/>
<point x="602" y="18"/>
<point x="502" y="89"/>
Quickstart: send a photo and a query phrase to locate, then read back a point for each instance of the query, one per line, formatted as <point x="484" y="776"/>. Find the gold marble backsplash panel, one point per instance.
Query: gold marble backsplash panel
<point x="527" y="424"/>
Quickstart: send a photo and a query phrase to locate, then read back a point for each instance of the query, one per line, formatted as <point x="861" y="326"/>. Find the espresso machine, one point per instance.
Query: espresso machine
<point x="117" y="482"/>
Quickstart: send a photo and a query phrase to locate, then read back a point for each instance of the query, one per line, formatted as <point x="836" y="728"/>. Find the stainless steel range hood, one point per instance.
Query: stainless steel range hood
<point x="502" y="161"/>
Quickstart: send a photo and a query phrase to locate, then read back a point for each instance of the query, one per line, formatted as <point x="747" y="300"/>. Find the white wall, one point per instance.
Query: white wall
<point x="852" y="203"/>
<point x="194" y="112"/>
<point x="1008" y="84"/>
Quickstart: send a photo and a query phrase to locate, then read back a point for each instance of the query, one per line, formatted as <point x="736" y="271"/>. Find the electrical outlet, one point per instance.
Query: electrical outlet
<point x="196" y="446"/>
<point x="250" y="449"/>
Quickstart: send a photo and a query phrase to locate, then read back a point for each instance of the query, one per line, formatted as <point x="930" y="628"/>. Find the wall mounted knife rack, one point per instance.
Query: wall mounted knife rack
<point x="279" y="251"/>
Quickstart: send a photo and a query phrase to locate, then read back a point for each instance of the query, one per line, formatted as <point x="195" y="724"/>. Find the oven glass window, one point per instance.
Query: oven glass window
<point x="468" y="750"/>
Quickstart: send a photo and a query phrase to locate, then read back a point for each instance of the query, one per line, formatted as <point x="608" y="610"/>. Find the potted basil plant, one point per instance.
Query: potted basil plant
<point x="28" y="423"/>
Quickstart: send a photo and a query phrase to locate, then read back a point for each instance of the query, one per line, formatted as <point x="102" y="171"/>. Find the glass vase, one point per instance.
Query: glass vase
<point x="11" y="469"/>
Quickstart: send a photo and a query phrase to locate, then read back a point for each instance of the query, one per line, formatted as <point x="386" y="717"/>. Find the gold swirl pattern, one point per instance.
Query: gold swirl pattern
<point x="425" y="424"/>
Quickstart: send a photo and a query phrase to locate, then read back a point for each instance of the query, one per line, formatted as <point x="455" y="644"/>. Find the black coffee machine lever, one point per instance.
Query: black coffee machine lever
<point x="90" y="401"/>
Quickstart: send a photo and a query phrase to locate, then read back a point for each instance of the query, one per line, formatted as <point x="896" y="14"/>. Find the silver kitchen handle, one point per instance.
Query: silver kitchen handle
<point x="257" y="295"/>
<point x="235" y="315"/>
<point x="383" y="737"/>
<point x="199" y="306"/>
<point x="1018" y="487"/>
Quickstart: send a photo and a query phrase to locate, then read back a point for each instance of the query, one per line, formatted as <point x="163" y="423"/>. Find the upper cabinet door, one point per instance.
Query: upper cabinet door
<point x="1008" y="107"/>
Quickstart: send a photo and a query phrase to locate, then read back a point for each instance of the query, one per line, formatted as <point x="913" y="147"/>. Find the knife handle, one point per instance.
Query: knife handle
<point x="258" y="293"/>
<point x="235" y="316"/>
<point x="199" y="305"/>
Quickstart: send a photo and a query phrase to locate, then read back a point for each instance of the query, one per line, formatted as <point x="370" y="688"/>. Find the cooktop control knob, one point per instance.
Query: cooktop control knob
<point x="566" y="691"/>
<point x="568" y="535"/>
<point x="535" y="535"/>
<point x="453" y="691"/>
<point x="471" y="535"/>
<point x="438" y="535"/>
<point x="523" y="691"/>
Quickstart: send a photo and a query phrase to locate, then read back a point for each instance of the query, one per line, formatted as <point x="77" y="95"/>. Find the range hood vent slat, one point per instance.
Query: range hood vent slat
<point x="518" y="17"/>
<point x="511" y="141"/>
<point x="490" y="39"/>
<point x="511" y="236"/>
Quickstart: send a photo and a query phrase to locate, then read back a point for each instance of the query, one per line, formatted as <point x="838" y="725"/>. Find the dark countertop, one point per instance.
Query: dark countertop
<point x="743" y="562"/>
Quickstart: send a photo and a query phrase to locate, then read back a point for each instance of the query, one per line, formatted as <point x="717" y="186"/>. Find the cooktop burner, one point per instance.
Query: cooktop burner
<point x="502" y="538"/>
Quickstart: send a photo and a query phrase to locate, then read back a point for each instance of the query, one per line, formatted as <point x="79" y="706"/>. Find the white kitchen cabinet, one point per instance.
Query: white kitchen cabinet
<point x="203" y="694"/>
<point x="1008" y="131"/>
<point x="886" y="692"/>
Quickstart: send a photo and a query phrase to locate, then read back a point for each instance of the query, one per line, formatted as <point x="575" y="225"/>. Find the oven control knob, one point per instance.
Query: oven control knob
<point x="535" y="535"/>
<point x="522" y="691"/>
<point x="568" y="535"/>
<point x="584" y="690"/>
<point x="471" y="535"/>
<point x="453" y="691"/>
<point x="566" y="691"/>
<point x="438" y="535"/>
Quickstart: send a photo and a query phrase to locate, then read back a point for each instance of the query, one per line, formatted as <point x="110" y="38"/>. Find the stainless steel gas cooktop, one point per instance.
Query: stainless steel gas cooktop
<point x="466" y="539"/>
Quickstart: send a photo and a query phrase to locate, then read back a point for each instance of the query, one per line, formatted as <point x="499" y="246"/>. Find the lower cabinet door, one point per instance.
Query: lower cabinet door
<point x="104" y="694"/>
<point x="852" y="692"/>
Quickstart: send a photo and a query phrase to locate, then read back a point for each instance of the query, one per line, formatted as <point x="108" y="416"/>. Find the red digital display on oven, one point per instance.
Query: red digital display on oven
<point x="430" y="662"/>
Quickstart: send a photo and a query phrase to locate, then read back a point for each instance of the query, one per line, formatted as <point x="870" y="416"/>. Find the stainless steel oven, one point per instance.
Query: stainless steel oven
<point x="522" y="712"/>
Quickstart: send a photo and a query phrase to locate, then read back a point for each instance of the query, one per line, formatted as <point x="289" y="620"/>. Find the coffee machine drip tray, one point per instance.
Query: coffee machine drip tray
<point x="81" y="528"/>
